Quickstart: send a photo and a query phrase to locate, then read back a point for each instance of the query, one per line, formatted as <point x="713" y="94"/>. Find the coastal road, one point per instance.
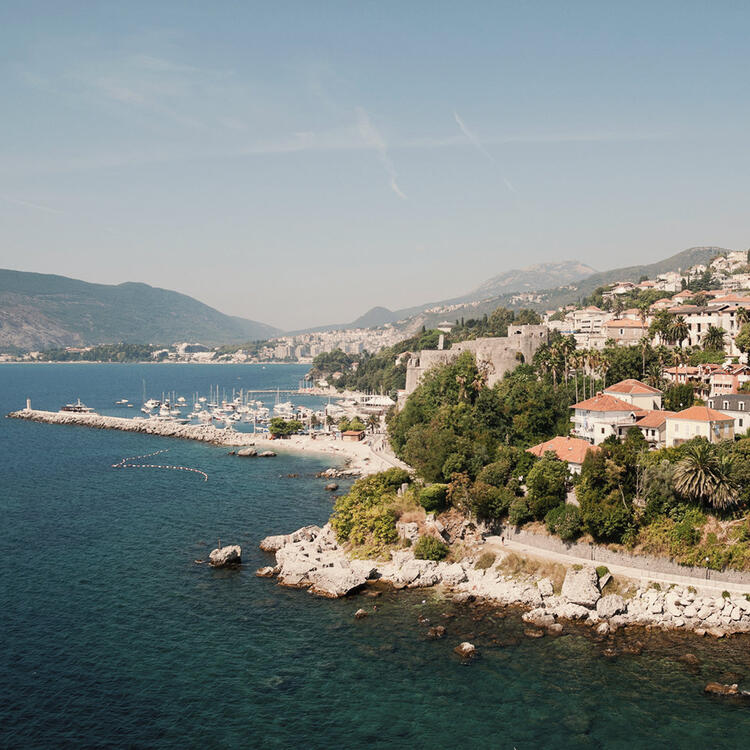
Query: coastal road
<point x="714" y="588"/>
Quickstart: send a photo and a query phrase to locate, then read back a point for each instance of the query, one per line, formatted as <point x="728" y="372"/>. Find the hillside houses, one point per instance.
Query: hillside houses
<point x="631" y="404"/>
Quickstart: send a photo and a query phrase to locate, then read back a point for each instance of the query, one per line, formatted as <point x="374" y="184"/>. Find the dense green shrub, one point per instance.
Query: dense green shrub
<point x="489" y="503"/>
<point x="433" y="498"/>
<point x="519" y="512"/>
<point x="565" y="521"/>
<point x="546" y="484"/>
<point x="601" y="570"/>
<point x="365" y="515"/>
<point x="430" y="548"/>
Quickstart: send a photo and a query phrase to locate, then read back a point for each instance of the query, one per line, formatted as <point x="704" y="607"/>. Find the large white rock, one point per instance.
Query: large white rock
<point x="336" y="581"/>
<point x="572" y="611"/>
<point x="581" y="587"/>
<point x="610" y="605"/>
<point x="225" y="556"/>
<point x="545" y="587"/>
<point x="452" y="574"/>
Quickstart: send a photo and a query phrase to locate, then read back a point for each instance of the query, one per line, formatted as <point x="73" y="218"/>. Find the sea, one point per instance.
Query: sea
<point x="112" y="634"/>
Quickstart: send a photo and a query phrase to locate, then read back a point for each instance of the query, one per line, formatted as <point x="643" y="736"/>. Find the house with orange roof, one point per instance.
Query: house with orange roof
<point x="596" y="418"/>
<point x="569" y="449"/>
<point x="661" y="304"/>
<point x="728" y="378"/>
<point x="636" y="393"/>
<point x="654" y="427"/>
<point x="699" y="421"/>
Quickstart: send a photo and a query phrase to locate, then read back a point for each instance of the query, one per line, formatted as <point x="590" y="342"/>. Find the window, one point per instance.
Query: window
<point x="740" y="421"/>
<point x="726" y="405"/>
<point x="741" y="404"/>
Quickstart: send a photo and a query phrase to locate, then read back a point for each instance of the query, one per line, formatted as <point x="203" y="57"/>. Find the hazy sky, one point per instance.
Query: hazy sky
<point x="298" y="163"/>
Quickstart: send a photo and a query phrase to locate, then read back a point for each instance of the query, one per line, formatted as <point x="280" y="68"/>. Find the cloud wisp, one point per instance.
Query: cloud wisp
<point x="478" y="144"/>
<point x="373" y="139"/>
<point x="30" y="204"/>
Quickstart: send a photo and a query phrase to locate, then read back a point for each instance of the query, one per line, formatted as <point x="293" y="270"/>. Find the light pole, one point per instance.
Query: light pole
<point x="706" y="560"/>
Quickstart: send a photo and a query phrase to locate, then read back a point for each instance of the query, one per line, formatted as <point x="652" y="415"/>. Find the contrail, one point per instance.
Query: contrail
<point x="478" y="144"/>
<point x="371" y="136"/>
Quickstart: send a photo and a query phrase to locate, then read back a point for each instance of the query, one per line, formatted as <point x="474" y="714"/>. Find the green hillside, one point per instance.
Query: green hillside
<point x="39" y="311"/>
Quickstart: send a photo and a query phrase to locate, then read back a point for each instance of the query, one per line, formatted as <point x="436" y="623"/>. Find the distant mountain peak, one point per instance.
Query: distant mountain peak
<point x="533" y="278"/>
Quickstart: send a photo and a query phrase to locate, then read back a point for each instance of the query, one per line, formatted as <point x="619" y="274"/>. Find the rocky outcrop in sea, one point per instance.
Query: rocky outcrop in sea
<point x="312" y="558"/>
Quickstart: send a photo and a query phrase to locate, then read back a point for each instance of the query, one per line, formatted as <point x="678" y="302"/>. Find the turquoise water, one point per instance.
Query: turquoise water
<point x="112" y="636"/>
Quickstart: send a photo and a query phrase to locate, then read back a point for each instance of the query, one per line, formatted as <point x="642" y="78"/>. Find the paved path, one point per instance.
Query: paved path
<point x="709" y="586"/>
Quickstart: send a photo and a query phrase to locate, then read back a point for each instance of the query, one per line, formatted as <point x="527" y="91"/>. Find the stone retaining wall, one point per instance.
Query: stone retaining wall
<point x="603" y="554"/>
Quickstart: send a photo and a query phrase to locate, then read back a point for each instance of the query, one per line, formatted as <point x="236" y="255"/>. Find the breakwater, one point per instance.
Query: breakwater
<point x="205" y="433"/>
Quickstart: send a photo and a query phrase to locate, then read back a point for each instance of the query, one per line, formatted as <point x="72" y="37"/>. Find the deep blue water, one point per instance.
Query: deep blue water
<point x="112" y="636"/>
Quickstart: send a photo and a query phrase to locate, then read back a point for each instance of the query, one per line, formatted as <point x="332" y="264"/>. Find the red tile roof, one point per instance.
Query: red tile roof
<point x="626" y="323"/>
<point x="572" y="450"/>
<point x="631" y="385"/>
<point x="654" y="419"/>
<point x="603" y="402"/>
<point x="702" y="414"/>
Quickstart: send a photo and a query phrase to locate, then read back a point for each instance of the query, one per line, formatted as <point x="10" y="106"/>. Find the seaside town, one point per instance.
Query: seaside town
<point x="375" y="375"/>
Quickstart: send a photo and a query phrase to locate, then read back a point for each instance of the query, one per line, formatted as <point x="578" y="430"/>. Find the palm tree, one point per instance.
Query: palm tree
<point x="742" y="317"/>
<point x="714" y="338"/>
<point x="679" y="330"/>
<point x="704" y="476"/>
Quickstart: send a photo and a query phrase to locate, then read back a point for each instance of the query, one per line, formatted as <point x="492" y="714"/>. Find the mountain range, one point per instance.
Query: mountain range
<point x="570" y="282"/>
<point x="40" y="311"/>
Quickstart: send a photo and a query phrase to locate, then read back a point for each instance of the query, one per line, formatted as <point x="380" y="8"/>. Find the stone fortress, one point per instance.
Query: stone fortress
<point x="497" y="355"/>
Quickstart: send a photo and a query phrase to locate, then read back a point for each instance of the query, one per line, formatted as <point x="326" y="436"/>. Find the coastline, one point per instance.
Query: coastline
<point x="361" y="458"/>
<point x="552" y="593"/>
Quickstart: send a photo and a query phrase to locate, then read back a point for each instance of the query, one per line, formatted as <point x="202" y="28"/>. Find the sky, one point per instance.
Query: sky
<point x="298" y="163"/>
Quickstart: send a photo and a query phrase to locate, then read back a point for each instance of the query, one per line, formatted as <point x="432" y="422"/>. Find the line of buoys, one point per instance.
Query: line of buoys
<point x="124" y="464"/>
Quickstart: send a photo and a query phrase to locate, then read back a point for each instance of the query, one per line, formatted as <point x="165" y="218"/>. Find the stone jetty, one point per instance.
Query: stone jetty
<point x="312" y="558"/>
<point x="202" y="432"/>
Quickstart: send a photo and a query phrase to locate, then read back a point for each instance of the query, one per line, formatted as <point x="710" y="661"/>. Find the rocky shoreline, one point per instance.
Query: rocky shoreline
<point x="311" y="558"/>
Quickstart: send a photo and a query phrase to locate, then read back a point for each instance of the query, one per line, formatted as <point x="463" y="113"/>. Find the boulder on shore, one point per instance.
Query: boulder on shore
<point x="267" y="572"/>
<point x="581" y="587"/>
<point x="224" y="557"/>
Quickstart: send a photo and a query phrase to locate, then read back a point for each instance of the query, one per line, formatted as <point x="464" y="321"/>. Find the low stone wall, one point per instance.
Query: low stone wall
<point x="602" y="554"/>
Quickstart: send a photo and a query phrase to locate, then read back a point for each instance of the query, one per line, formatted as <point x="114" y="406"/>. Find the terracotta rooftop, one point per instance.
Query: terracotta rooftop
<point x="654" y="419"/>
<point x="603" y="402"/>
<point x="631" y="385"/>
<point x="627" y="323"/>
<point x="702" y="414"/>
<point x="569" y="449"/>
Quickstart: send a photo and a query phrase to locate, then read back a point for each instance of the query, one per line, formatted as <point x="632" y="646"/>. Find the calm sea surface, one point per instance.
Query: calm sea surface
<point x="112" y="636"/>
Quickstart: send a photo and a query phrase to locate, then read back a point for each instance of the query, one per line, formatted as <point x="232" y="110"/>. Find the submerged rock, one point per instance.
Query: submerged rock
<point x="360" y="614"/>
<point x="466" y="650"/>
<point x="267" y="572"/>
<point x="437" y="631"/>
<point x="716" y="688"/>
<point x="224" y="557"/>
<point x="247" y="452"/>
<point x="332" y="486"/>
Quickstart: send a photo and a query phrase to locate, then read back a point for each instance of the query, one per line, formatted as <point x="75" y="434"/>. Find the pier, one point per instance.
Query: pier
<point x="201" y="432"/>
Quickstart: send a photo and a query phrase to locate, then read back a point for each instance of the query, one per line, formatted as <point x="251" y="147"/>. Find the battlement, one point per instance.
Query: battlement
<point x="497" y="355"/>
